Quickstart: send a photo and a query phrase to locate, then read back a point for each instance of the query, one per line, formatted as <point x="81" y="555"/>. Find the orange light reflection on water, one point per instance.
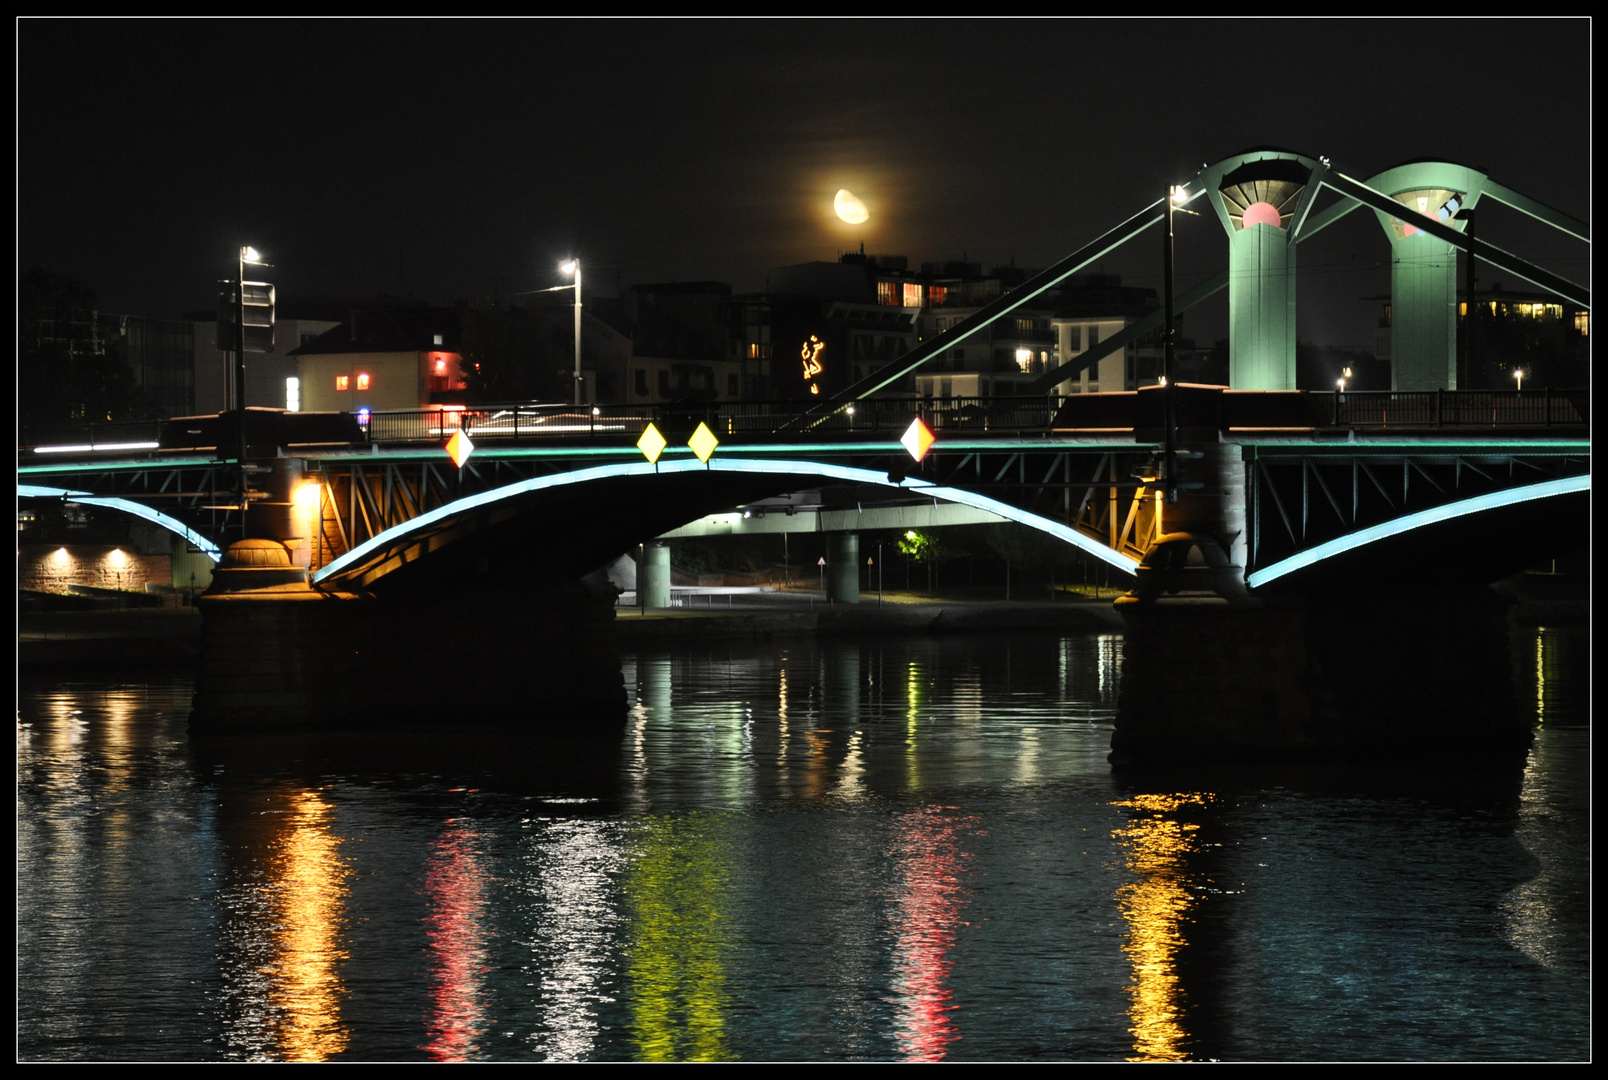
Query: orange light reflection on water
<point x="308" y="898"/>
<point x="1155" y="906"/>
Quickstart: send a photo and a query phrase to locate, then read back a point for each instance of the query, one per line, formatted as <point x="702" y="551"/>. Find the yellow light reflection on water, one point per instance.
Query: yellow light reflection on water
<point x="675" y="888"/>
<point x="1155" y="906"/>
<point x="308" y="899"/>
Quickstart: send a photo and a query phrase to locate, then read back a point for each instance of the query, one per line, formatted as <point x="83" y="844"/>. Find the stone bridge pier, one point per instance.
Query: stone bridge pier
<point x="525" y="653"/>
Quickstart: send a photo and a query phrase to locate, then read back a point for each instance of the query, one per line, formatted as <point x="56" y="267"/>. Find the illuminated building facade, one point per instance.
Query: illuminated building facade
<point x="379" y="359"/>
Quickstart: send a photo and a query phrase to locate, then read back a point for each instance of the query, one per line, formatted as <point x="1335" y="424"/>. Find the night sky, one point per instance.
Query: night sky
<point x="444" y="160"/>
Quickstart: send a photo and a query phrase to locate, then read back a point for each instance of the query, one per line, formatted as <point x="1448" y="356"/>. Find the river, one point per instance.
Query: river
<point x="803" y="850"/>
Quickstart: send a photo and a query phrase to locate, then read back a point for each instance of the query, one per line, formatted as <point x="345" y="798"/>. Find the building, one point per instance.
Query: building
<point x="1094" y="308"/>
<point x="378" y="359"/>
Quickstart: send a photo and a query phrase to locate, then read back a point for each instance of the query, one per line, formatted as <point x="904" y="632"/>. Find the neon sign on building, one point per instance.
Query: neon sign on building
<point x="811" y="354"/>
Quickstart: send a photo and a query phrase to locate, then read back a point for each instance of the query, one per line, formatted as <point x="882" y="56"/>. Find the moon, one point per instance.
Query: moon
<point x="849" y="207"/>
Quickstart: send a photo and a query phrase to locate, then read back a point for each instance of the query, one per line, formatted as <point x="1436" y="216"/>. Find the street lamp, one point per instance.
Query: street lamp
<point x="1345" y="373"/>
<point x="1518" y="377"/>
<point x="248" y="254"/>
<point x="573" y="266"/>
<point x="1177" y="195"/>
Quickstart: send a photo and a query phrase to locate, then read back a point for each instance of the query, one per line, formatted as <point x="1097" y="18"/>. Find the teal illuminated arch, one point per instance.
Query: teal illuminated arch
<point x="1406" y="523"/>
<point x="390" y="536"/>
<point x="127" y="506"/>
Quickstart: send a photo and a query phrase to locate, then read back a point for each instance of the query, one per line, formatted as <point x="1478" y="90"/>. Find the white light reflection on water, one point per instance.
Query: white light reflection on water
<point x="572" y="865"/>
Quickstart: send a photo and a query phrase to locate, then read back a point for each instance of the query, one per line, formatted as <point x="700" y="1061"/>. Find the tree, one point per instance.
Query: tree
<point x="925" y="548"/>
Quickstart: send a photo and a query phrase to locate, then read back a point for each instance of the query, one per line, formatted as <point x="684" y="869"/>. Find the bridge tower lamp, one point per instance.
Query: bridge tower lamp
<point x="573" y="266"/>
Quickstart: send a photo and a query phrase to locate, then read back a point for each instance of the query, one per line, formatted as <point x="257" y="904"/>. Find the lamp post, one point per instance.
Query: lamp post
<point x="248" y="254"/>
<point x="1176" y="194"/>
<point x="573" y="266"/>
<point x="1518" y="377"/>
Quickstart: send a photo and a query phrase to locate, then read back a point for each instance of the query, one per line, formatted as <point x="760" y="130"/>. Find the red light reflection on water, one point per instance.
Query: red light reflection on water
<point x="929" y="902"/>
<point x="456" y="884"/>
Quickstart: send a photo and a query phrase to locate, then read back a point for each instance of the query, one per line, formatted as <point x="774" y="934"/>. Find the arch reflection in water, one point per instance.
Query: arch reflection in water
<point x="286" y="946"/>
<point x="1155" y="905"/>
<point x="932" y="861"/>
<point x="455" y="883"/>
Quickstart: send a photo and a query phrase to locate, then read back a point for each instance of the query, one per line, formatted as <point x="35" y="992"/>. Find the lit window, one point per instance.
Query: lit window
<point x="362" y="380"/>
<point x="912" y="295"/>
<point x="292" y="394"/>
<point x="440" y="367"/>
<point x="937" y="294"/>
<point x="1582" y="323"/>
<point x="342" y="382"/>
<point x="887" y="294"/>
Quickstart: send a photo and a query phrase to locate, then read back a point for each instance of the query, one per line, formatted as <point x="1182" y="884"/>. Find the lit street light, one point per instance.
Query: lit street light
<point x="1518" y="376"/>
<point x="248" y="254"/>
<point x="573" y="266"/>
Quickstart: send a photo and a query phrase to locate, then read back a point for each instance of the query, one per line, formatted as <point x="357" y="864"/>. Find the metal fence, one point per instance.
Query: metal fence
<point x="1460" y="408"/>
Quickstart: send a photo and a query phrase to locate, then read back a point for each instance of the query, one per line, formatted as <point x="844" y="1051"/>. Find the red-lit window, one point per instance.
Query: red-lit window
<point x="440" y="367"/>
<point x="887" y="293"/>
<point x="362" y="380"/>
<point x="938" y="294"/>
<point x="912" y="295"/>
<point x="343" y="382"/>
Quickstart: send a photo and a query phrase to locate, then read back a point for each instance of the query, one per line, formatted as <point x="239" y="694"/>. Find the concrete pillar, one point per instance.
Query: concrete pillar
<point x="653" y="576"/>
<point x="1366" y="674"/>
<point x="843" y="568"/>
<point x="1423" y="325"/>
<point x="1261" y="309"/>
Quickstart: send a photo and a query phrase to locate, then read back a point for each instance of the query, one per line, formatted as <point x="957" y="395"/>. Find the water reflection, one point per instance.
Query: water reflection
<point x="1155" y="906"/>
<point x="675" y="890"/>
<point x="283" y="967"/>
<point x="455" y="883"/>
<point x="576" y="919"/>
<point x="931" y="861"/>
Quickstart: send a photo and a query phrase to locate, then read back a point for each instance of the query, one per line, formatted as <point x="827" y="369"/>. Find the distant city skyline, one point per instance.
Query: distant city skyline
<point x="448" y="159"/>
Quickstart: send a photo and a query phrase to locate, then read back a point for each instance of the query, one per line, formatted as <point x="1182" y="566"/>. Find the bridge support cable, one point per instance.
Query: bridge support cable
<point x="1127" y="336"/>
<point x="1487" y="252"/>
<point x="1154" y="214"/>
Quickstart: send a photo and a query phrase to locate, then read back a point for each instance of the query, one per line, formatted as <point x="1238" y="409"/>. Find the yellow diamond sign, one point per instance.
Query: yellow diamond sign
<point x="459" y="448"/>
<point x="651" y="444"/>
<point x="703" y="443"/>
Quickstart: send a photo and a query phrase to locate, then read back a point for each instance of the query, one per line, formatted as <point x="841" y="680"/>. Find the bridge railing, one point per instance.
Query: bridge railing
<point x="874" y="416"/>
<point x="1460" y="408"/>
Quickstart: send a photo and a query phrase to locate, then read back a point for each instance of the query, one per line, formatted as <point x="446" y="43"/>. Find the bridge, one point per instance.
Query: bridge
<point x="1206" y="493"/>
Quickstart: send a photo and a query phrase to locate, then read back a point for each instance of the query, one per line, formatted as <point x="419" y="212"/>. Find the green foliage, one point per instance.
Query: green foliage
<point x="924" y="547"/>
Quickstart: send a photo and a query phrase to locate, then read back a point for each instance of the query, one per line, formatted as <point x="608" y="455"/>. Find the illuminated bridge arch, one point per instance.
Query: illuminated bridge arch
<point x="1377" y="539"/>
<point x="126" y="506"/>
<point x="410" y="540"/>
